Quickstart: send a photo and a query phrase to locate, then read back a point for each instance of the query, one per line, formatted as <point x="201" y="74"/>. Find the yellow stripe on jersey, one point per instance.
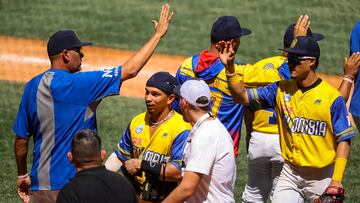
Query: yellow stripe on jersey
<point x="263" y="73"/>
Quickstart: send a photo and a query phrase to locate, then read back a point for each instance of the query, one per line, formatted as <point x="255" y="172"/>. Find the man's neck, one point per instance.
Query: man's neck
<point x="214" y="50"/>
<point x="310" y="79"/>
<point x="155" y="118"/>
<point x="195" y="117"/>
<point x="87" y="166"/>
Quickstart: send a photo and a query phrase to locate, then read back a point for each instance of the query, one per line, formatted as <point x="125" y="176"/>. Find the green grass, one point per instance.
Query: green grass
<point x="126" y="24"/>
<point x="113" y="116"/>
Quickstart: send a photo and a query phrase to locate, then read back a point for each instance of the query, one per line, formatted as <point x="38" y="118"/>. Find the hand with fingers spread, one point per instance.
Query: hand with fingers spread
<point x="302" y="25"/>
<point x="165" y="18"/>
<point x="227" y="53"/>
<point x="23" y="188"/>
<point x="351" y="65"/>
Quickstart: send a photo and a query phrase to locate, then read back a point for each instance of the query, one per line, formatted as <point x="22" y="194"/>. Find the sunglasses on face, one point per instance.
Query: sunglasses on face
<point x="296" y="60"/>
<point x="78" y="50"/>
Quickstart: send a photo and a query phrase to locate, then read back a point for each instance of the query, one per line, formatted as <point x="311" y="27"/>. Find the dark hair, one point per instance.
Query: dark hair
<point x="86" y="146"/>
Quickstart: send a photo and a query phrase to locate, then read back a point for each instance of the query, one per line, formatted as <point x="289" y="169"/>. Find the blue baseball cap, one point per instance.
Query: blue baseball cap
<point x="304" y="46"/>
<point x="64" y="39"/>
<point x="227" y="27"/>
<point x="289" y="35"/>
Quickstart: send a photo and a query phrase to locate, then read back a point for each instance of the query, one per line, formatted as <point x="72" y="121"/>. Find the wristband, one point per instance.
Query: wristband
<point x="235" y="79"/>
<point x="151" y="167"/>
<point x="339" y="168"/>
<point x="230" y="74"/>
<point x="23" y="176"/>
<point x="347" y="79"/>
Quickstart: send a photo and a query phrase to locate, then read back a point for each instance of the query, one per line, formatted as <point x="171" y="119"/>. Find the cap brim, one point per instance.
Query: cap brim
<point x="317" y="36"/>
<point x="86" y="44"/>
<point x="245" y="31"/>
<point x="176" y="90"/>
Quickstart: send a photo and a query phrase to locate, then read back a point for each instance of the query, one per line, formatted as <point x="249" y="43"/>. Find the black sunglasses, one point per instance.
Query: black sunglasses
<point x="78" y="50"/>
<point x="296" y="60"/>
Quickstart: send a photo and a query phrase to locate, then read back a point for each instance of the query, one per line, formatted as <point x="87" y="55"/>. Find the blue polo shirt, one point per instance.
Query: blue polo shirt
<point x="55" y="105"/>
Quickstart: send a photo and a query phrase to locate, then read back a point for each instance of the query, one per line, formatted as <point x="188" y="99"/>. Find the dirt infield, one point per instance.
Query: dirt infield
<point x="21" y="59"/>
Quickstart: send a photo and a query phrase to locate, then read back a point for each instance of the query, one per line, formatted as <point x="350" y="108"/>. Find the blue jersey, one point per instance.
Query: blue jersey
<point x="55" y="105"/>
<point x="355" y="47"/>
<point x="222" y="104"/>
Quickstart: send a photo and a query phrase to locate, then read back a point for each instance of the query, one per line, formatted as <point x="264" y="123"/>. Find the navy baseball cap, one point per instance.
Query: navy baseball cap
<point x="227" y="27"/>
<point x="304" y="46"/>
<point x="164" y="81"/>
<point x="64" y="39"/>
<point x="289" y="35"/>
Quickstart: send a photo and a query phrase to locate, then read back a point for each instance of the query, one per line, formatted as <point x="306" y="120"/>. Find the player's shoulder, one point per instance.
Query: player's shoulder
<point x="139" y="118"/>
<point x="186" y="67"/>
<point x="329" y="90"/>
<point x="177" y="121"/>
<point x="270" y="63"/>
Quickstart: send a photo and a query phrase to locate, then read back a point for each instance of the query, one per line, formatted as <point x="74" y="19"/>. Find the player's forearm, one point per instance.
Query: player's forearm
<point x="21" y="150"/>
<point x="342" y="155"/>
<point x="345" y="88"/>
<point x="236" y="85"/>
<point x="134" y="64"/>
<point x="171" y="173"/>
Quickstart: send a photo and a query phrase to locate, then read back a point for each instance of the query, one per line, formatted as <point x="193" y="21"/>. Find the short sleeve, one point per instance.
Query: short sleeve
<point x="22" y="122"/>
<point x="355" y="39"/>
<point x="177" y="148"/>
<point x="87" y="87"/>
<point x="124" y="148"/>
<point x="203" y="154"/>
<point x="263" y="97"/>
<point x="340" y="120"/>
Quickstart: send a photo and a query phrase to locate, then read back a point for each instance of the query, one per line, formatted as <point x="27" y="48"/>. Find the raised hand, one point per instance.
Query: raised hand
<point x="227" y="52"/>
<point x="351" y="65"/>
<point x="302" y="25"/>
<point x="165" y="18"/>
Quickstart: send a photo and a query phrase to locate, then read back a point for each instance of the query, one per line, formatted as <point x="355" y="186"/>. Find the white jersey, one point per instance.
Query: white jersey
<point x="210" y="152"/>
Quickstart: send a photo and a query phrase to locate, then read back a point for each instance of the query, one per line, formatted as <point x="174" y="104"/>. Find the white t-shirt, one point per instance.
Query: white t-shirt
<point x="211" y="153"/>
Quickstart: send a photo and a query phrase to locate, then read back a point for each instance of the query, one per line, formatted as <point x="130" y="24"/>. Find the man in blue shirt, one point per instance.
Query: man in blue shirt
<point x="61" y="101"/>
<point x="355" y="101"/>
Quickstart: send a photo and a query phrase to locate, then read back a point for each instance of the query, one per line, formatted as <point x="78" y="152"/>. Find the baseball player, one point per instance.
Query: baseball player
<point x="151" y="147"/>
<point x="264" y="154"/>
<point x="207" y="66"/>
<point x="314" y="127"/>
<point x="61" y="101"/>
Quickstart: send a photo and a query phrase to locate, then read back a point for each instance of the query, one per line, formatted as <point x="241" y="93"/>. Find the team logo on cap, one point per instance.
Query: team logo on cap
<point x="293" y="43"/>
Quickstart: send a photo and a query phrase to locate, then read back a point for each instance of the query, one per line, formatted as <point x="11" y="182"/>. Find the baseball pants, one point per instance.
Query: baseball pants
<point x="297" y="184"/>
<point x="264" y="166"/>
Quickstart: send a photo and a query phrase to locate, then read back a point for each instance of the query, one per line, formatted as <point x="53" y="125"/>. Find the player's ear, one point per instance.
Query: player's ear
<point x="70" y="157"/>
<point x="65" y="56"/>
<point x="312" y="63"/>
<point x="103" y="155"/>
<point x="171" y="98"/>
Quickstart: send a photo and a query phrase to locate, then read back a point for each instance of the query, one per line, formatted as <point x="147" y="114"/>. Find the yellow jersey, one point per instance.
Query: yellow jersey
<point x="311" y="120"/>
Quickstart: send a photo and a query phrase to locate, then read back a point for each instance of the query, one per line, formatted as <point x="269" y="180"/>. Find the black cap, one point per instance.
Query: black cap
<point x="164" y="81"/>
<point x="289" y="35"/>
<point x="304" y="46"/>
<point x="227" y="27"/>
<point x="64" y="39"/>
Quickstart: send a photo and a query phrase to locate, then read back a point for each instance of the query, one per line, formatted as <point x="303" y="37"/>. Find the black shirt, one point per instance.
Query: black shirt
<point x="97" y="185"/>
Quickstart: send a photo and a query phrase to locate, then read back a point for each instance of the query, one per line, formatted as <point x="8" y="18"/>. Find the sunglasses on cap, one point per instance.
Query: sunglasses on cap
<point x="296" y="60"/>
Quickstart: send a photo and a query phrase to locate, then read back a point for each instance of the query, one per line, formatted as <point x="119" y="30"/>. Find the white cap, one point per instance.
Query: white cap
<point x="192" y="90"/>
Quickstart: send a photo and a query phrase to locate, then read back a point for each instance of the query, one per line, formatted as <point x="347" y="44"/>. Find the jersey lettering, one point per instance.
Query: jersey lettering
<point x="306" y="126"/>
<point x="107" y="73"/>
<point x="154" y="157"/>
